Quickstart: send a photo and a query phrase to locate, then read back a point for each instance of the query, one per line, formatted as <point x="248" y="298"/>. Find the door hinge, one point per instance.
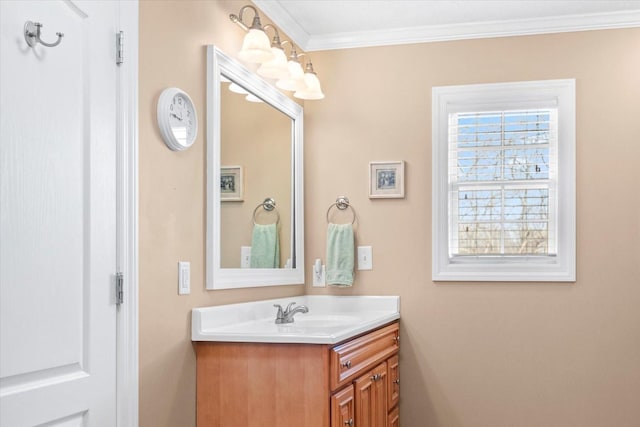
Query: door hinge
<point x="119" y="47"/>
<point x="119" y="288"/>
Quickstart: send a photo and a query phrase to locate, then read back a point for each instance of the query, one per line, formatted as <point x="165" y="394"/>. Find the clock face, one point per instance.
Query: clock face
<point x="182" y="120"/>
<point x="177" y="119"/>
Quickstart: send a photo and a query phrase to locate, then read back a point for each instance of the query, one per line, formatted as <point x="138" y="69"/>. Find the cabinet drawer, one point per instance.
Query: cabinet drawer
<point x="353" y="357"/>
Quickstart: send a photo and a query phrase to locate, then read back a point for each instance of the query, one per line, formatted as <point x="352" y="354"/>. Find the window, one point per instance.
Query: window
<point x="504" y="182"/>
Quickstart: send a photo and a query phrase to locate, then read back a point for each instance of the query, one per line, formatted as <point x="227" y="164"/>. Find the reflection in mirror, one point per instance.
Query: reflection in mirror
<point x="258" y="137"/>
<point x="254" y="154"/>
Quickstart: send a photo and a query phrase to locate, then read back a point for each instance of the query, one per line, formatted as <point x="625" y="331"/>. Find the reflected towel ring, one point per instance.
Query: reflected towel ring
<point x="342" y="203"/>
<point x="268" y="205"/>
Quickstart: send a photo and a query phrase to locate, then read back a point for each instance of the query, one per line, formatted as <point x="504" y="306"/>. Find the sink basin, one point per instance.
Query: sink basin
<point x="331" y="319"/>
<point x="325" y="320"/>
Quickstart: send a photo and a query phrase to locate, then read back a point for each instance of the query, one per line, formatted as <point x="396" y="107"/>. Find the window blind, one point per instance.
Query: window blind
<point x="502" y="183"/>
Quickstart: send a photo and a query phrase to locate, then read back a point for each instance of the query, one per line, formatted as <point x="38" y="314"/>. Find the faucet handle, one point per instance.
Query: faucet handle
<point x="279" y="307"/>
<point x="289" y="307"/>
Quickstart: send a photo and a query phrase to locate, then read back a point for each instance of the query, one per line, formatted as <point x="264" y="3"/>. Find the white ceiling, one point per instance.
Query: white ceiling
<point x="336" y="24"/>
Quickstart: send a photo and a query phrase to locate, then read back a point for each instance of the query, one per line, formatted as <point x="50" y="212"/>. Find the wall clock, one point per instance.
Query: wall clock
<point x="177" y="119"/>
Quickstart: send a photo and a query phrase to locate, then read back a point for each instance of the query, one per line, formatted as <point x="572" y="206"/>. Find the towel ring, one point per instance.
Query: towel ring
<point x="268" y="205"/>
<point x="342" y="203"/>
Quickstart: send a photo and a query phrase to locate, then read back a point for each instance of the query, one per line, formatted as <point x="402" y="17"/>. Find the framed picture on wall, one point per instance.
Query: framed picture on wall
<point x="231" y="185"/>
<point x="386" y="180"/>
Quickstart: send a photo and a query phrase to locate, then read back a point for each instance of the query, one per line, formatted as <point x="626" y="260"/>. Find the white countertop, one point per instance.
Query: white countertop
<point x="330" y="320"/>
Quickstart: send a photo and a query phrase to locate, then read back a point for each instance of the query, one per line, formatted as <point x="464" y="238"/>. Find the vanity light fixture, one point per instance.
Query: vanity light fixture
<point x="295" y="79"/>
<point x="275" y="68"/>
<point x="256" y="47"/>
<point x="311" y="88"/>
<point x="289" y="74"/>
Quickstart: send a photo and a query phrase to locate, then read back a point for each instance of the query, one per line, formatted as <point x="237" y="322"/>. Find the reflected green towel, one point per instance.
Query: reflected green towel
<point x="340" y="254"/>
<point x="265" y="246"/>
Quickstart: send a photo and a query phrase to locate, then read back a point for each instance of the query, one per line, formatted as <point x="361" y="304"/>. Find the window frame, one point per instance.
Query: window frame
<point x="446" y="100"/>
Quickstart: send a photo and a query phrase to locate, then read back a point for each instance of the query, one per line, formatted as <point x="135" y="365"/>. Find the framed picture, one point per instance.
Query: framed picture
<point x="386" y="180"/>
<point x="231" y="185"/>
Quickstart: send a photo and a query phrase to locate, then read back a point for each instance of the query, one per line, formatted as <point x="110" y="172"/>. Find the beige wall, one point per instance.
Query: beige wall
<point x="473" y="354"/>
<point x="172" y="204"/>
<point x="493" y="354"/>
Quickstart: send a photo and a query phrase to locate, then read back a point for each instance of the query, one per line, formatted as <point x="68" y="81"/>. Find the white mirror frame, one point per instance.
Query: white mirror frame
<point x="228" y="278"/>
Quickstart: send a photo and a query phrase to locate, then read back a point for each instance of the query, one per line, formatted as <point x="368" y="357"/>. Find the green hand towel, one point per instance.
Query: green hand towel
<point x="340" y="254"/>
<point x="265" y="246"/>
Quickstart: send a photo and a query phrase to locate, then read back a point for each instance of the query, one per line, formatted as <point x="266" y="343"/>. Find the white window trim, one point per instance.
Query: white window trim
<point x="505" y="96"/>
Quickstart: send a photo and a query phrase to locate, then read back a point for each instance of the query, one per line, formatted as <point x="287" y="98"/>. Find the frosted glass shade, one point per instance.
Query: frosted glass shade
<point x="295" y="81"/>
<point x="235" y="88"/>
<point x="252" y="98"/>
<point x="276" y="68"/>
<point x="311" y="88"/>
<point x="256" y="47"/>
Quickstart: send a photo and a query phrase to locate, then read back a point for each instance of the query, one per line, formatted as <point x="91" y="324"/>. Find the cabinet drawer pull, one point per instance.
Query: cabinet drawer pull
<point x="346" y="364"/>
<point x="396" y="339"/>
<point x="396" y="381"/>
<point x="349" y="422"/>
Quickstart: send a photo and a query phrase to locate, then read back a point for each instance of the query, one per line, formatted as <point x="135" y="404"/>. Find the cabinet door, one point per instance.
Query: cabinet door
<point x="394" y="417"/>
<point x="371" y="398"/>
<point x="342" y="408"/>
<point x="393" y="393"/>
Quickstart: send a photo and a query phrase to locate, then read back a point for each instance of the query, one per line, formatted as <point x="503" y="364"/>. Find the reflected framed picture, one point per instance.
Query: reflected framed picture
<point x="231" y="185"/>
<point x="386" y="180"/>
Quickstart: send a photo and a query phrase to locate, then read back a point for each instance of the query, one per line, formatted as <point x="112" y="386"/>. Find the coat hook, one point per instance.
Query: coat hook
<point x="32" y="35"/>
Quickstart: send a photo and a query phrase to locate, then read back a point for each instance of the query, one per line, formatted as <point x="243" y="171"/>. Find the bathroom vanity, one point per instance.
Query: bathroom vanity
<point x="336" y="365"/>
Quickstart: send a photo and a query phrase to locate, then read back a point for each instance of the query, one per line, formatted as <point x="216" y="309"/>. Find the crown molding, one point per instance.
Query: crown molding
<point x="425" y="34"/>
<point x="280" y="17"/>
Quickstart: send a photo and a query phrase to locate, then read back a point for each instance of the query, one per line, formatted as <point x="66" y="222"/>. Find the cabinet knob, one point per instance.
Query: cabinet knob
<point x="396" y="381"/>
<point x="349" y="422"/>
<point x="396" y="339"/>
<point x="346" y="364"/>
<point x="375" y="377"/>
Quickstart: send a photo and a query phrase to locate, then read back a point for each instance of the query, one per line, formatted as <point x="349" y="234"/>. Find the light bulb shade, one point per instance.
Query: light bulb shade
<point x="309" y="94"/>
<point x="311" y="88"/>
<point x="256" y="47"/>
<point x="252" y="98"/>
<point x="276" y="68"/>
<point x="295" y="80"/>
<point x="311" y="81"/>
<point x="236" y="88"/>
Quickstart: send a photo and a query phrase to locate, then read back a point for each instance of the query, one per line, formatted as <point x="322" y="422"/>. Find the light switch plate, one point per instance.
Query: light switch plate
<point x="365" y="258"/>
<point x="184" y="278"/>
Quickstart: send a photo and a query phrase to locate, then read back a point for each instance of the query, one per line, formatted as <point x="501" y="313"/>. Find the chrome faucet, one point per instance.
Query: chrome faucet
<point x="286" y="315"/>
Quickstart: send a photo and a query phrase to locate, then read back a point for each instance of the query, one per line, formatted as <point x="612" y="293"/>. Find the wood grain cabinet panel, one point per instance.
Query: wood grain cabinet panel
<point x="299" y="385"/>
<point x="394" y="418"/>
<point x="371" y="397"/>
<point x="351" y="358"/>
<point x="393" y="384"/>
<point x="343" y="407"/>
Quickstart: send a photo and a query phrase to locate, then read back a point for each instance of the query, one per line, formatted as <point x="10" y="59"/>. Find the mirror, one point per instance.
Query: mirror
<point x="254" y="179"/>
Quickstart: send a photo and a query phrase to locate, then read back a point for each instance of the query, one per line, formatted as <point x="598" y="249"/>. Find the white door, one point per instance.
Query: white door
<point x="58" y="215"/>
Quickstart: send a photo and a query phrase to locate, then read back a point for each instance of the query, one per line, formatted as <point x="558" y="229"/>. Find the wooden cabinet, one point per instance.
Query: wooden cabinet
<point x="371" y="397"/>
<point x="342" y="407"/>
<point x="300" y="385"/>
<point x="393" y="382"/>
<point x="394" y="418"/>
